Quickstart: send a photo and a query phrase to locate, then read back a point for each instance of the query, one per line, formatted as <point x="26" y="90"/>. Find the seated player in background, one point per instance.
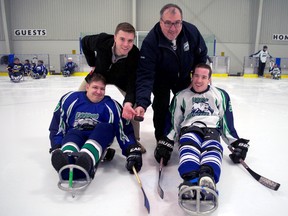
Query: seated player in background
<point x="69" y="67"/>
<point x="275" y="71"/>
<point x="86" y="123"/>
<point x="16" y="70"/>
<point x="27" y="67"/>
<point x="39" y="70"/>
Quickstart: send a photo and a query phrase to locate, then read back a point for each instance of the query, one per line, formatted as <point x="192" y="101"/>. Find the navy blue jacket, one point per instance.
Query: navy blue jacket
<point x="161" y="67"/>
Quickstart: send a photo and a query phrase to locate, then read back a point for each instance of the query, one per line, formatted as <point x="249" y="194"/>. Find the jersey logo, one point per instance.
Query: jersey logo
<point x="85" y="121"/>
<point x="201" y="107"/>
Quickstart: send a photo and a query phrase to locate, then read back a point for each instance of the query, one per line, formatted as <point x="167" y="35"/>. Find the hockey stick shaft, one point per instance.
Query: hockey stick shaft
<point x="146" y="201"/>
<point x="71" y="178"/>
<point x="262" y="180"/>
<point x="160" y="190"/>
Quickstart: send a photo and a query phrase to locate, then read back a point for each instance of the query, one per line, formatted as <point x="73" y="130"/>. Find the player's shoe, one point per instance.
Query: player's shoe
<point x="84" y="161"/>
<point x="59" y="159"/>
<point x="206" y="181"/>
<point x="189" y="194"/>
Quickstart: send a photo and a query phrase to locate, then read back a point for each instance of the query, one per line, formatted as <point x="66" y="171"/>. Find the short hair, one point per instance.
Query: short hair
<point x="97" y="77"/>
<point x="173" y="7"/>
<point x="126" y="27"/>
<point x="265" y="47"/>
<point x="203" y="65"/>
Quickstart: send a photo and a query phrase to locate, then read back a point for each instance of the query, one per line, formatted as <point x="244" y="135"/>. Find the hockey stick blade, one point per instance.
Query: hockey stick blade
<point x="146" y="201"/>
<point x="159" y="189"/>
<point x="262" y="180"/>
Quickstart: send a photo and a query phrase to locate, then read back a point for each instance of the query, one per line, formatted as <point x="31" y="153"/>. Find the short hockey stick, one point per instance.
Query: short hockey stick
<point x="264" y="181"/>
<point x="146" y="201"/>
<point x="159" y="189"/>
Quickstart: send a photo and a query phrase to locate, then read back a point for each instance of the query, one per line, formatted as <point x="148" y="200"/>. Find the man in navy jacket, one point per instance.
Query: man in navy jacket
<point x="168" y="54"/>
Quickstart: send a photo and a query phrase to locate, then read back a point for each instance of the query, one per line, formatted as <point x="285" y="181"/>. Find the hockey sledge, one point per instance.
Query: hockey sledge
<point x="198" y="206"/>
<point x="71" y="184"/>
<point x="17" y="79"/>
<point x="73" y="178"/>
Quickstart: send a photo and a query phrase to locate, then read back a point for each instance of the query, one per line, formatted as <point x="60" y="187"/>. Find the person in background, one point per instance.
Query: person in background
<point x="115" y="57"/>
<point x="85" y="123"/>
<point x="275" y="71"/>
<point x="27" y="67"/>
<point x="168" y="54"/>
<point x="34" y="60"/>
<point x="15" y="70"/>
<point x="201" y="114"/>
<point x="263" y="56"/>
<point x="39" y="70"/>
<point x="69" y="67"/>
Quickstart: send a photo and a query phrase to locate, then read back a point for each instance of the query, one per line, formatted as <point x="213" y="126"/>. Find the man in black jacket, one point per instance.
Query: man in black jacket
<point x="115" y="57"/>
<point x="168" y="54"/>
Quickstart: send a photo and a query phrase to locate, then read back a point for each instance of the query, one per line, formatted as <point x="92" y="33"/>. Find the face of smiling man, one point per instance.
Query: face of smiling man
<point x="201" y="79"/>
<point x="95" y="91"/>
<point x="123" y="42"/>
<point x="171" y="23"/>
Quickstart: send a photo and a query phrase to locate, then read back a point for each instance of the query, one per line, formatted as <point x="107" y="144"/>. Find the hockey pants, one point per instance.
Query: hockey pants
<point x="195" y="152"/>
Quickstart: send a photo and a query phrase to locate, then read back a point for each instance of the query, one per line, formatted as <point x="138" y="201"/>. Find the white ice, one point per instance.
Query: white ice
<point x="29" y="183"/>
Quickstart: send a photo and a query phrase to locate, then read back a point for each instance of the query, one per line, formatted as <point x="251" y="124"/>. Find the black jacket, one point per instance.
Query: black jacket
<point x="98" y="52"/>
<point x="160" y="67"/>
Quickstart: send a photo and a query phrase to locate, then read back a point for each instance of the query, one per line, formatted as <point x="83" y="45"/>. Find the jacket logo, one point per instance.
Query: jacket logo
<point x="186" y="46"/>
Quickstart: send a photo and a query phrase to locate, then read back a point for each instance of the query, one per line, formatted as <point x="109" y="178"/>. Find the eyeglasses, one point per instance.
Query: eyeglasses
<point x="169" y="24"/>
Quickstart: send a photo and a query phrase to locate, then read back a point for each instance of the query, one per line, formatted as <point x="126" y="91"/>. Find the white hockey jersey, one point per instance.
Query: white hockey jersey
<point x="263" y="55"/>
<point x="212" y="107"/>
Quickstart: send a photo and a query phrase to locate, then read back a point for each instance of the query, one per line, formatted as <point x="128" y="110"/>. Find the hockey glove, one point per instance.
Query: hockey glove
<point x="164" y="150"/>
<point x="240" y="147"/>
<point x="134" y="158"/>
<point x="53" y="148"/>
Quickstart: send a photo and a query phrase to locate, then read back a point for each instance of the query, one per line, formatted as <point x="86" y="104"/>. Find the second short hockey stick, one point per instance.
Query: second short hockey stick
<point x="264" y="181"/>
<point x="146" y="201"/>
<point x="159" y="189"/>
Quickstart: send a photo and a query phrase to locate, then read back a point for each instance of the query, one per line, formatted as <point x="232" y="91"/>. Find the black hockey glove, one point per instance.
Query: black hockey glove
<point x="134" y="158"/>
<point x="54" y="148"/>
<point x="164" y="150"/>
<point x="240" y="149"/>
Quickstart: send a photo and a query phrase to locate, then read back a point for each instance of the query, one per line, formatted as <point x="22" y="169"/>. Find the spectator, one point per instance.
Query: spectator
<point x="263" y="56"/>
<point x="115" y="57"/>
<point x="168" y="54"/>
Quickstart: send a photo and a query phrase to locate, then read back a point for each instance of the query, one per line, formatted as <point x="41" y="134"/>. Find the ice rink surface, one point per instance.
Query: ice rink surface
<point x="29" y="183"/>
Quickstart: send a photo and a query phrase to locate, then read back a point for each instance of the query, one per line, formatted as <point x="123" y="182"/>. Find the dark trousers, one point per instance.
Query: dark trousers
<point x="160" y="107"/>
<point x="261" y="68"/>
